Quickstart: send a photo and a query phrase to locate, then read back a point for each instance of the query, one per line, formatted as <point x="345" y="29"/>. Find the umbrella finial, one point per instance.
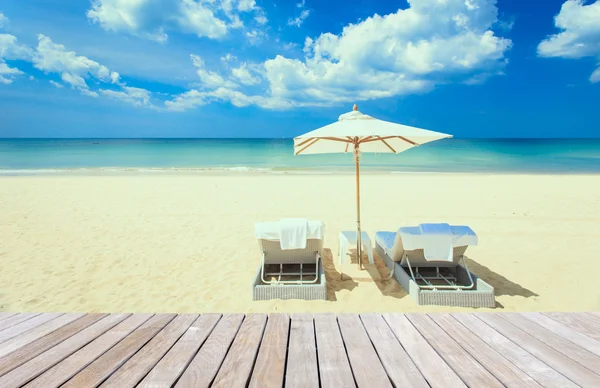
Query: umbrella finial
<point x="355" y="107"/>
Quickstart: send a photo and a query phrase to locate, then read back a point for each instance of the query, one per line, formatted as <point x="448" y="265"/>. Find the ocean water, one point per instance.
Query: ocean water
<point x="38" y="156"/>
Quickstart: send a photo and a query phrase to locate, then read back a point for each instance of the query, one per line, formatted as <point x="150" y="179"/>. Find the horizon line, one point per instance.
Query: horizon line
<point x="277" y="138"/>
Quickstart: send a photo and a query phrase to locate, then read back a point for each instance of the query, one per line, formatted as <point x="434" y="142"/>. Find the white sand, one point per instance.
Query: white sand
<point x="185" y="243"/>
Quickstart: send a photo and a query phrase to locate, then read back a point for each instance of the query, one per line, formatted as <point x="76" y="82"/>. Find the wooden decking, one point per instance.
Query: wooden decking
<point x="301" y="350"/>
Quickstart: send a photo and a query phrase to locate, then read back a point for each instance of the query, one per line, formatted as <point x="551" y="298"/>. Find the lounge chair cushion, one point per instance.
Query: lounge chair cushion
<point x="272" y="231"/>
<point x="437" y="242"/>
<point x="412" y="239"/>
<point x="293" y="233"/>
<point x="385" y="240"/>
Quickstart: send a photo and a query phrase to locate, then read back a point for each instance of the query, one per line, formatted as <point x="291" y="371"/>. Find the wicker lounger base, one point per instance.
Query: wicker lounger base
<point x="482" y="295"/>
<point x="316" y="291"/>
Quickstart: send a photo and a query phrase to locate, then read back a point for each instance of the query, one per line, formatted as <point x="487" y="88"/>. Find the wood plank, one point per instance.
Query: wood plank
<point x="577" y="322"/>
<point x="555" y="341"/>
<point x="73" y="364"/>
<point x="24" y="326"/>
<point x="204" y="367"/>
<point x="398" y="365"/>
<point x="596" y="314"/>
<point x="334" y="367"/>
<point x="237" y="366"/>
<point x="143" y="361"/>
<point x="561" y="363"/>
<point x="6" y="314"/>
<point x="269" y="369"/>
<point x="563" y="331"/>
<point x="430" y="364"/>
<point x="15" y="319"/>
<point x="366" y="367"/>
<point x="504" y="370"/>
<point x="105" y="365"/>
<point x="38" y="365"/>
<point x="172" y="365"/>
<point x="471" y="372"/>
<point x="36" y="333"/>
<point x="302" y="369"/>
<point x="31" y="350"/>
<point x="536" y="369"/>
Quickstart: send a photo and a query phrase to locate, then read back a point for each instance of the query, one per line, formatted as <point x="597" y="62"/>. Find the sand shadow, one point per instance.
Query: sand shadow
<point x="335" y="281"/>
<point x="502" y="286"/>
<point x="377" y="273"/>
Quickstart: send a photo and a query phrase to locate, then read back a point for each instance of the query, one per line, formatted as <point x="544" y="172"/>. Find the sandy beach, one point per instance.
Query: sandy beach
<point x="185" y="242"/>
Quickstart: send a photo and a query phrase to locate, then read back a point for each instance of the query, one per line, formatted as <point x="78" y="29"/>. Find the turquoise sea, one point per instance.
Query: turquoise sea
<point x="39" y="156"/>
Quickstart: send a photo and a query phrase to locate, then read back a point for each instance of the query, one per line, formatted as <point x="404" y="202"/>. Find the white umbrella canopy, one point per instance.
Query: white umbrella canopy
<point x="356" y="132"/>
<point x="370" y="134"/>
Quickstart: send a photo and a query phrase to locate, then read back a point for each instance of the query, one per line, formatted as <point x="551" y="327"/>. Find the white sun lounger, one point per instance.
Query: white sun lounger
<point x="428" y="261"/>
<point x="290" y="243"/>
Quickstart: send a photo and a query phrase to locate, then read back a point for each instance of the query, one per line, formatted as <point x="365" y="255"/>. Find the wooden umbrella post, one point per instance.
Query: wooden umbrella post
<point x="359" y="233"/>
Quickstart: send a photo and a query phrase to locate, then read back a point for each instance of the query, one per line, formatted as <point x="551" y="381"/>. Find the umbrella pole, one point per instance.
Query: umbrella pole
<point x="359" y="233"/>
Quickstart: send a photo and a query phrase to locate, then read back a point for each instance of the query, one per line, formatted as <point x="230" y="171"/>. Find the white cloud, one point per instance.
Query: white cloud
<point x="246" y="5"/>
<point x="228" y="58"/>
<point x="297" y="21"/>
<point x="595" y="77"/>
<point x="289" y="45"/>
<point x="58" y="85"/>
<point x="11" y="50"/>
<point x="406" y="52"/>
<point x="3" y="20"/>
<point x="260" y="17"/>
<point x="244" y="76"/>
<point x="255" y="37"/>
<point x="73" y="68"/>
<point x="7" y="73"/>
<point x="187" y="100"/>
<point x="580" y="35"/>
<point x="135" y="96"/>
<point x="210" y="79"/>
<point x="153" y="18"/>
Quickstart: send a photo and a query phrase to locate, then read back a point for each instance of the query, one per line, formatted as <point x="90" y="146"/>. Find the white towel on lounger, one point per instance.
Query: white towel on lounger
<point x="437" y="242"/>
<point x="293" y="233"/>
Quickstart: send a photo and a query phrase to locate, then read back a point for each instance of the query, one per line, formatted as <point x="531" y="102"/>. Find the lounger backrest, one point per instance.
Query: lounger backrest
<point x="417" y="258"/>
<point x="275" y="255"/>
<point x="463" y="237"/>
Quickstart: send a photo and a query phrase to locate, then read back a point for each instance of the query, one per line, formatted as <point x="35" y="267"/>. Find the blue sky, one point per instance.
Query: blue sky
<point x="268" y="68"/>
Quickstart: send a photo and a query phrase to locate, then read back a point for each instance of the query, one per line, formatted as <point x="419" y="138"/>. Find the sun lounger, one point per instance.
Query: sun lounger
<point x="428" y="261"/>
<point x="291" y="265"/>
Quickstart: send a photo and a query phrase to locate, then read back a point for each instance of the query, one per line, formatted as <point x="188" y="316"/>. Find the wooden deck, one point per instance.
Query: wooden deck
<point x="302" y="350"/>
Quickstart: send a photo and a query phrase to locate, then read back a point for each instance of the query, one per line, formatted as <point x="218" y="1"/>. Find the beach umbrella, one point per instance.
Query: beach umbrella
<point x="356" y="132"/>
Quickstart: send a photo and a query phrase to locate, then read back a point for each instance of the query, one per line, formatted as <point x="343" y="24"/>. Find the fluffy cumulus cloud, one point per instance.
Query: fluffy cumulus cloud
<point x="153" y="18"/>
<point x="580" y="34"/>
<point x="244" y="75"/>
<point x="409" y="51"/>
